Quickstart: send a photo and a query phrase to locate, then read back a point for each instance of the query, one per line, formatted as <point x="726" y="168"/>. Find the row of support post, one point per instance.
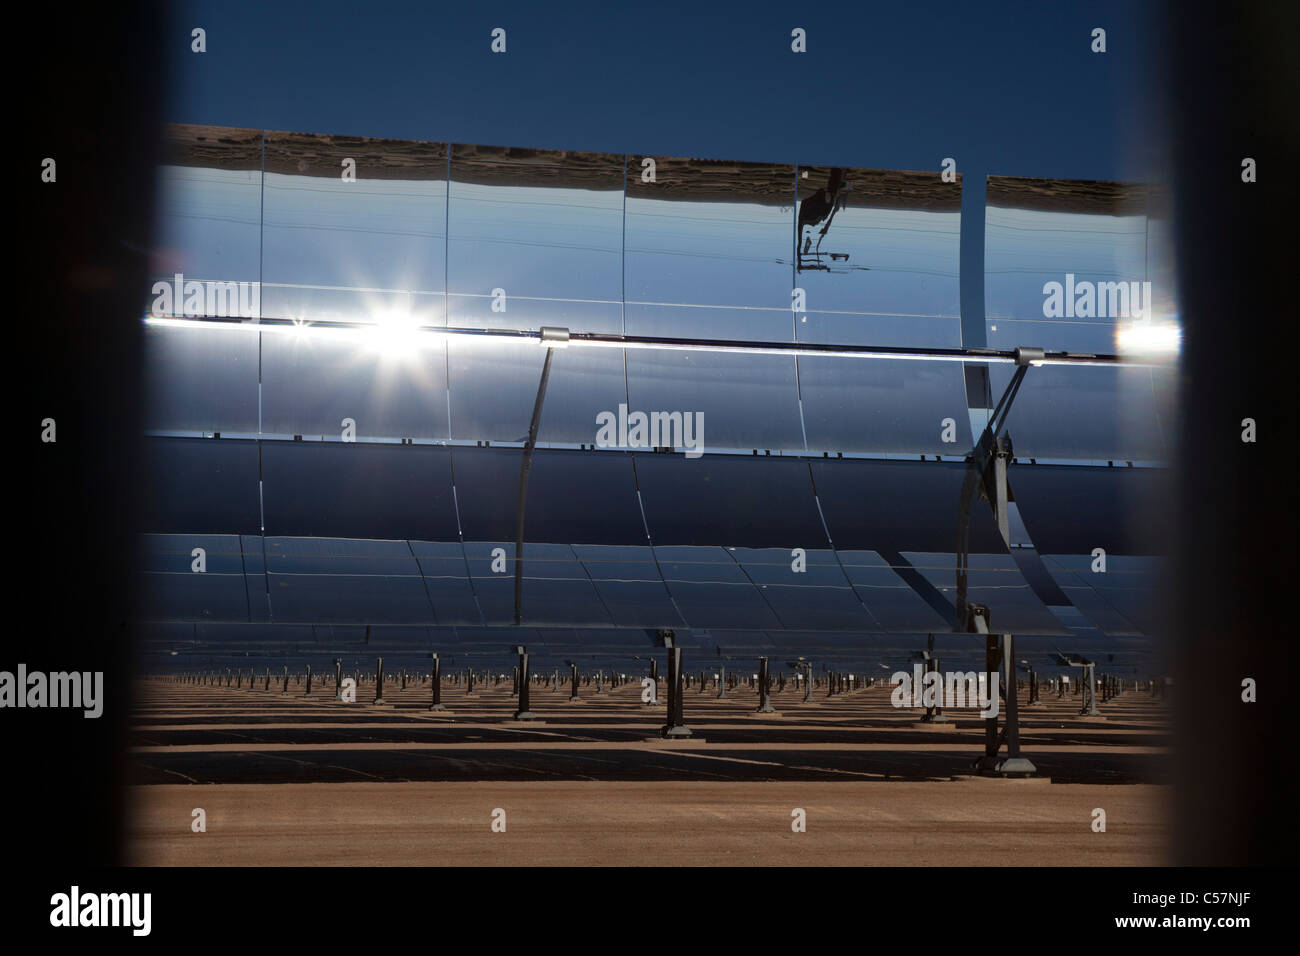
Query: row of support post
<point x="999" y="664"/>
<point x="674" y="727"/>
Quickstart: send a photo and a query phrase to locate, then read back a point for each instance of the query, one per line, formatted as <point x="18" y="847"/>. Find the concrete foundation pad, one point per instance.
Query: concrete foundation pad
<point x="1016" y="766"/>
<point x="674" y="741"/>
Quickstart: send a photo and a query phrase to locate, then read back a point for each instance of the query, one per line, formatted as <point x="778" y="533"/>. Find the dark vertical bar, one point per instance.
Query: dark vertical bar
<point x="1234" y="86"/>
<point x="525" y="468"/>
<point x="764" y="688"/>
<point x="676" y="685"/>
<point x="674" y="726"/>
<point x="991" y="669"/>
<point x="435" y="679"/>
<point x="523" y="713"/>
<point x="1013" y="710"/>
<point x="938" y="711"/>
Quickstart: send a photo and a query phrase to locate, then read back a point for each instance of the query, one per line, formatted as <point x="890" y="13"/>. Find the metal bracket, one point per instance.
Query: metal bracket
<point x="551" y="338"/>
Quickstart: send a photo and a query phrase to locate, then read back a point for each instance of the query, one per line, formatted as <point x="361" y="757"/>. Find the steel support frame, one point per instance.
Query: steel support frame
<point x="435" y="679"/>
<point x="524" y="679"/>
<point x="987" y="472"/>
<point x="764" y="688"/>
<point x="524" y="469"/>
<point x="999" y="658"/>
<point x="674" y="728"/>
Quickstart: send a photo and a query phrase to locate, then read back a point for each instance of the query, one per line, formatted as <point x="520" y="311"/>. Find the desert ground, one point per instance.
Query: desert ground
<point x="285" y="779"/>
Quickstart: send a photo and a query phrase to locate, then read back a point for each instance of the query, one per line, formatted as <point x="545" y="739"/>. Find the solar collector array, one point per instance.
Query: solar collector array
<point x="614" y="539"/>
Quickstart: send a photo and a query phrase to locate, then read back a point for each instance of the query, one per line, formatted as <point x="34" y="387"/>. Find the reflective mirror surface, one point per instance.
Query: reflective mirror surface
<point x="366" y="483"/>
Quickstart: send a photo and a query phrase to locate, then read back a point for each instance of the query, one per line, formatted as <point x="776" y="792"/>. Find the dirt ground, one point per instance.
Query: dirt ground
<point x="970" y="822"/>
<point x="287" y="780"/>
